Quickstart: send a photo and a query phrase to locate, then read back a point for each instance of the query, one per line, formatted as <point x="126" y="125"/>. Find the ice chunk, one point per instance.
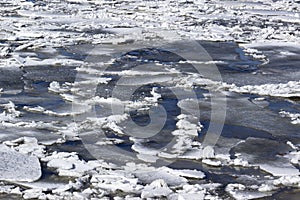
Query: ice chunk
<point x="288" y="181"/>
<point x="169" y="178"/>
<point x="27" y="145"/>
<point x="280" y="169"/>
<point x="295" y="117"/>
<point x="199" y="153"/>
<point x="187" y="173"/>
<point x="55" y="87"/>
<point x="188" y="196"/>
<point x="211" y="162"/>
<point x="172" y="177"/>
<point x="115" y="181"/>
<point x="15" y="166"/>
<point x="240" y="192"/>
<point x="11" y="109"/>
<point x="33" y="193"/>
<point x="157" y="188"/>
<point x="266" y="188"/>
<point x="68" y="164"/>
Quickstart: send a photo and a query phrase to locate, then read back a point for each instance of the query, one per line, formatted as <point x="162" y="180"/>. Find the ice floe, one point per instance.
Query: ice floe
<point x="16" y="166"/>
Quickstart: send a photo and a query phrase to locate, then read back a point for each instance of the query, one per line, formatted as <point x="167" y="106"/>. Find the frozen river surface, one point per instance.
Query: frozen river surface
<point x="149" y="99"/>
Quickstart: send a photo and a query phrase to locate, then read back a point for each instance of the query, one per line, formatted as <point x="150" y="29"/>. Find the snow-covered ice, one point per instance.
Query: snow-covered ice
<point x="16" y="166"/>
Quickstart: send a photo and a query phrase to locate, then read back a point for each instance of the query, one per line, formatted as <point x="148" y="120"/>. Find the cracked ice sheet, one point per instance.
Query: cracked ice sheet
<point x="265" y="154"/>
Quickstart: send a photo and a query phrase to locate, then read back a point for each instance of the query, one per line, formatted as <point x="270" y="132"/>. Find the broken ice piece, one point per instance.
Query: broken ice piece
<point x="157" y="188"/>
<point x="15" y="166"/>
<point x="27" y="145"/>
